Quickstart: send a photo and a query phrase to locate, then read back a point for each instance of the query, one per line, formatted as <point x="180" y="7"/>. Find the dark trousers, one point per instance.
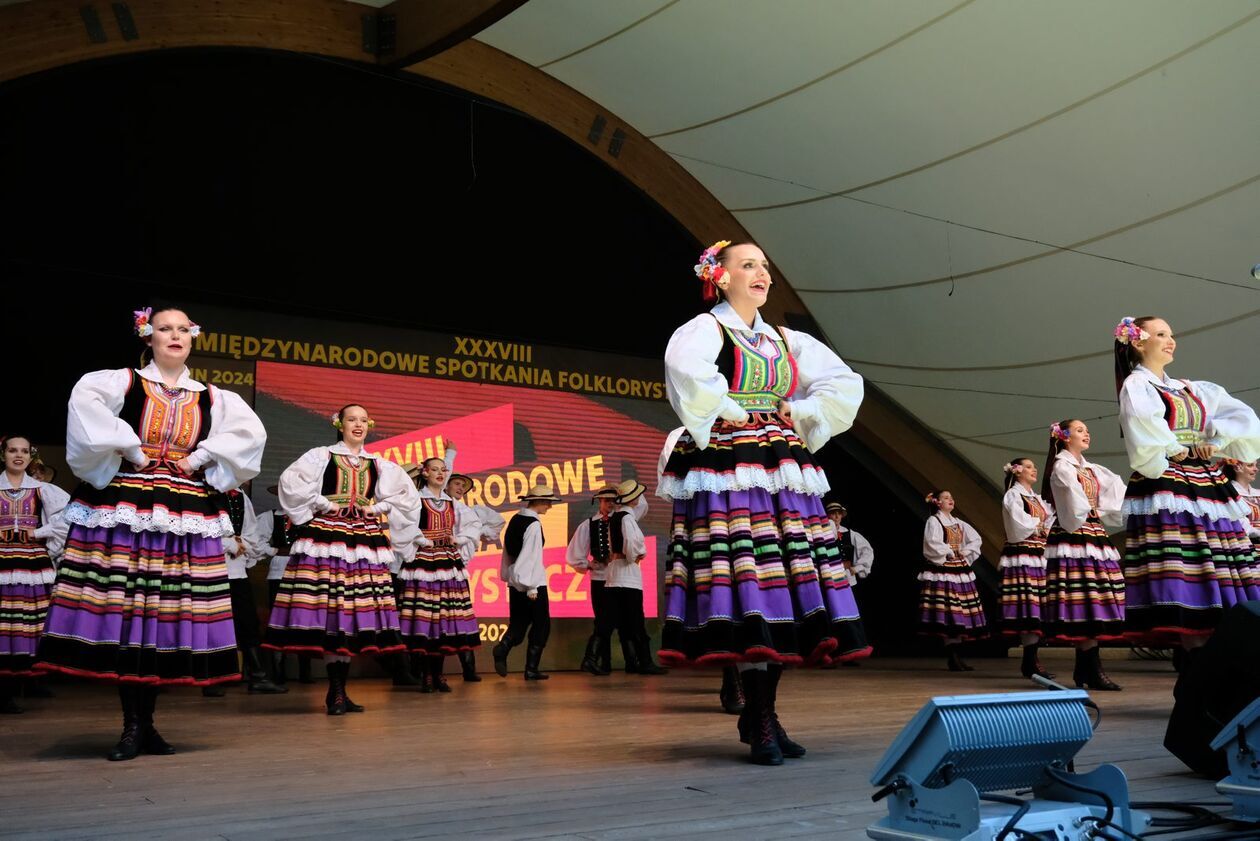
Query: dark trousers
<point x="244" y="613"/>
<point x="605" y="611"/>
<point x="626" y="605"/>
<point x="528" y="615"/>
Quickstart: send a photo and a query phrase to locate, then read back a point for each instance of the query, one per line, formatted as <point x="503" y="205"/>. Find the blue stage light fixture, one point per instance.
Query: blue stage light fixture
<point x="957" y="747"/>
<point x="1241" y="742"/>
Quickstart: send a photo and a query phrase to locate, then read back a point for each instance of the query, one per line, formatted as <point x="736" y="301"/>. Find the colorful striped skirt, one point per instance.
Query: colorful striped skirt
<point x="1023" y="586"/>
<point x="765" y="454"/>
<point x="142" y="593"/>
<point x="754" y="573"/>
<point x="336" y="596"/>
<point x="1084" y="585"/>
<point x="435" y="609"/>
<point x="949" y="603"/>
<point x="1187" y="556"/>
<point x="26" y="576"/>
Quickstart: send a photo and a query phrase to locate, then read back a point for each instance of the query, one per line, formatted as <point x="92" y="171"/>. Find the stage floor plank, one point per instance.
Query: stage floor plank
<point x="576" y="757"/>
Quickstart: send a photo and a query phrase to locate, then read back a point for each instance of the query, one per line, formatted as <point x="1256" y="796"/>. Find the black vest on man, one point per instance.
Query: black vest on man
<point x="844" y="542"/>
<point x="514" y="534"/>
<point x="607" y="539"/>
<point x="235" y="505"/>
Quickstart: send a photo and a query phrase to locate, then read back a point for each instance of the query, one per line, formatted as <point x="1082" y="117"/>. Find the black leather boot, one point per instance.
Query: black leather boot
<point x="256" y="675"/>
<point x="400" y="672"/>
<point x="1031" y="664"/>
<point x="468" y="662"/>
<point x="351" y="706"/>
<point x="1080" y="669"/>
<point x="789" y="748"/>
<point x="643" y="658"/>
<point x="424" y="675"/>
<point x="1096" y="678"/>
<point x="605" y="654"/>
<point x="304" y="669"/>
<point x="128" y="746"/>
<point x="151" y="740"/>
<point x="335" y="700"/>
<point x="500" y="654"/>
<point x="438" y="666"/>
<point x="590" y="660"/>
<point x="955" y="660"/>
<point x="8" y="706"/>
<point x="278" y="664"/>
<point x="533" y="659"/>
<point x="757" y="725"/>
<point x="731" y="694"/>
<point x="627" y="654"/>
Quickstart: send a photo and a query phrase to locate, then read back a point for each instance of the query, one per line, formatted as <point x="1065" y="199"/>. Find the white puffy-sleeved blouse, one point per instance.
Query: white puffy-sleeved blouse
<point x="936" y="548"/>
<point x="825" y="401"/>
<point x="863" y="555"/>
<point x="394" y="495"/>
<point x="1072" y="485"/>
<point x="1210" y="416"/>
<point x="97" y="440"/>
<point x="254" y="545"/>
<point x="526" y="571"/>
<point x="1019" y="524"/>
<point x="1251" y="498"/>
<point x="52" y="528"/>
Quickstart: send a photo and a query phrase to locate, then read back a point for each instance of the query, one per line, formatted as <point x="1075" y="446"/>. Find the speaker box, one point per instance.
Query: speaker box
<point x="1216" y="683"/>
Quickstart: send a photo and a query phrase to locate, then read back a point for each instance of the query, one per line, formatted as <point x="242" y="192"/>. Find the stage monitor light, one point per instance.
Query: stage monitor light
<point x="942" y="772"/>
<point x="996" y="742"/>
<point x="1240" y="739"/>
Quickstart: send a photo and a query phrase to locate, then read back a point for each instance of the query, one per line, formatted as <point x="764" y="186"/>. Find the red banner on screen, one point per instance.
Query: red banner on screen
<point x="483" y="441"/>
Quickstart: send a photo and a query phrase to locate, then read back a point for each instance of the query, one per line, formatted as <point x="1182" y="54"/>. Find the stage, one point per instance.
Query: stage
<point x="622" y="757"/>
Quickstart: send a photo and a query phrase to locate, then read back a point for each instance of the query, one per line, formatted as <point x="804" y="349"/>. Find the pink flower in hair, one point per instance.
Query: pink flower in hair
<point x="1127" y="331"/>
<point x="143" y="327"/>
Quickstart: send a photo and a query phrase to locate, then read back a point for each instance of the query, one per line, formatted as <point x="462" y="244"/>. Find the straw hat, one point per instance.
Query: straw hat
<point x="606" y="492"/>
<point x="630" y="490"/>
<point x="836" y="506"/>
<point x="540" y="493"/>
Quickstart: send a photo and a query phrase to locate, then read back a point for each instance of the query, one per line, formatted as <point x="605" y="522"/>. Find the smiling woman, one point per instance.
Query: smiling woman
<point x="352" y="511"/>
<point x="755" y="575"/>
<point x="1187" y="556"/>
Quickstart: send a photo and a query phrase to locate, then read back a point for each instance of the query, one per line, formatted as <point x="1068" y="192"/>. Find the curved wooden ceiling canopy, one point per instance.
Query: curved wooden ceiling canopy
<point x="44" y="34"/>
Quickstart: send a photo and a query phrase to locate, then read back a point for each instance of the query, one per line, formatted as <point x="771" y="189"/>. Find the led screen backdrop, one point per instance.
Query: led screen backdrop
<point x="507" y="438"/>
<point x="519" y="414"/>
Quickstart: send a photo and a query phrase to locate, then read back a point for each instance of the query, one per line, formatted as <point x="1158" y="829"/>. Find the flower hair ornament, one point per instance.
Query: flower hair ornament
<point x="143" y="327"/>
<point x="1013" y="469"/>
<point x="144" y="324"/>
<point x="336" y="421"/>
<point x="709" y="271"/>
<point x="931" y="499"/>
<point x="1059" y="432"/>
<point x="1127" y="332"/>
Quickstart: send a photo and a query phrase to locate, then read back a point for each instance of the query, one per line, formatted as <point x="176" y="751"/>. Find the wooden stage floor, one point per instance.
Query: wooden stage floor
<point x="622" y="757"/>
